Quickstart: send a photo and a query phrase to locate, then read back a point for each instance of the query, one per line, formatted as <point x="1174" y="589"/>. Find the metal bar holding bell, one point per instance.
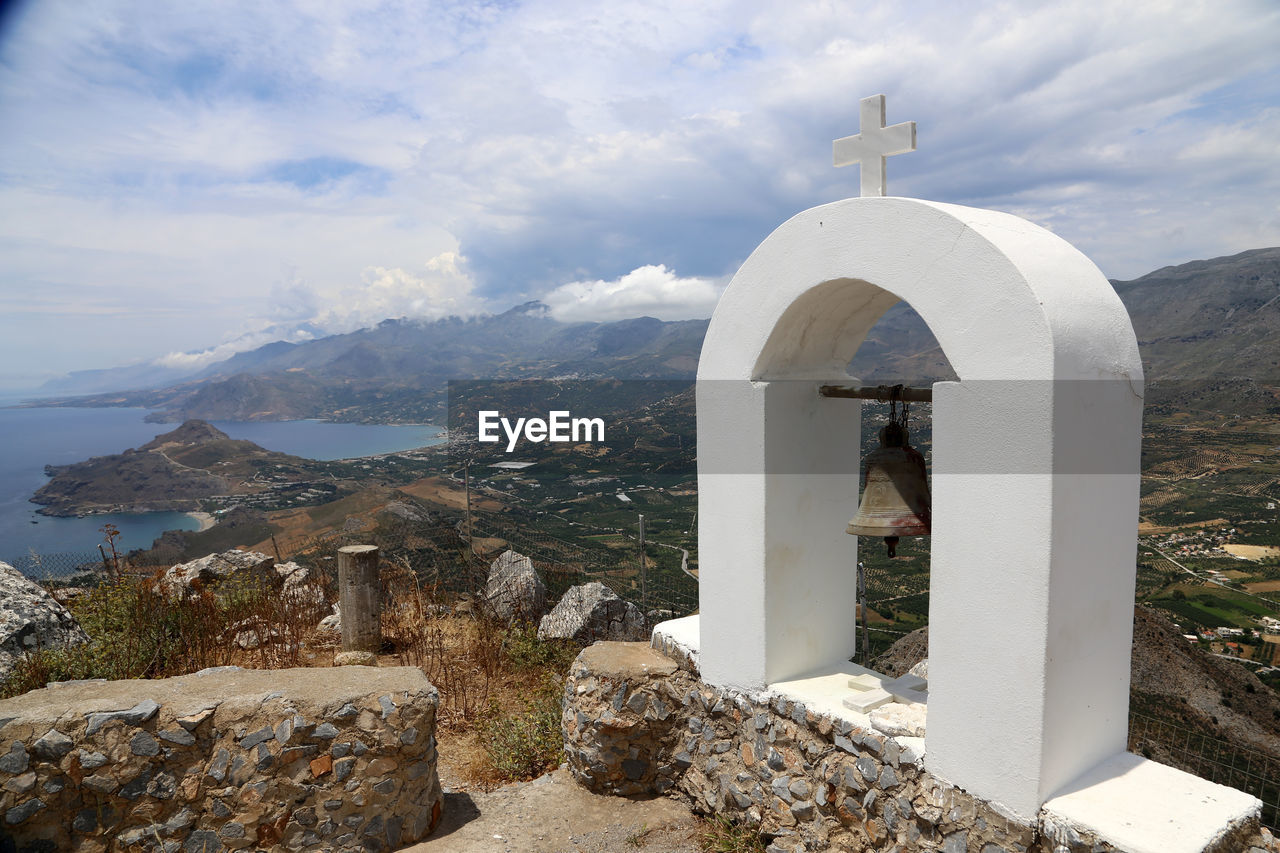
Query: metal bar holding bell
<point x="878" y="392"/>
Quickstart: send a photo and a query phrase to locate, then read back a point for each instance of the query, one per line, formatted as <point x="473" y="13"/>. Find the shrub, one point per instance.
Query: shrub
<point x="527" y="743"/>
<point x="721" y="835"/>
<point x="136" y="631"/>
<point x="527" y="653"/>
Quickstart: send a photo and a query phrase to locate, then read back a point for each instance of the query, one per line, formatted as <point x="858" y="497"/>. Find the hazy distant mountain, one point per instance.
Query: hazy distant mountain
<point x="523" y="340"/>
<point x="131" y="378"/>
<point x="1207" y="331"/>
<point x="399" y="369"/>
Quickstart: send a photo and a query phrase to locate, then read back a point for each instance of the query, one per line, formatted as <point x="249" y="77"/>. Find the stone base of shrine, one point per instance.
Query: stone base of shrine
<point x="638" y="721"/>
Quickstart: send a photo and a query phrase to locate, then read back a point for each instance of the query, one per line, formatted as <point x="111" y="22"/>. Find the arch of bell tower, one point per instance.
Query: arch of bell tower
<point x="1035" y="479"/>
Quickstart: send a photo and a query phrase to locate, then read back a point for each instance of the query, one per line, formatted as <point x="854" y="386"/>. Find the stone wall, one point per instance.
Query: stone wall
<point x="336" y="759"/>
<point x="638" y="722"/>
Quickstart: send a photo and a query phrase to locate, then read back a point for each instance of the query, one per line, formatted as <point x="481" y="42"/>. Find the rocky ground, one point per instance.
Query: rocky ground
<point x="554" y="814"/>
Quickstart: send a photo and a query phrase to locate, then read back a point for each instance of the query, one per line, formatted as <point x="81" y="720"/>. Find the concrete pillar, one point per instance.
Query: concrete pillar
<point x="360" y="598"/>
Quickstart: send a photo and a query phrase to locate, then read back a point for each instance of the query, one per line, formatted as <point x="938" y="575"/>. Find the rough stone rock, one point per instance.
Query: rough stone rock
<point x="30" y="619"/>
<point x="921" y="669"/>
<point x="899" y="720"/>
<point x="905" y="653"/>
<point x="514" y="590"/>
<point x="300" y="588"/>
<point x="638" y="723"/>
<point x="217" y="568"/>
<point x="355" y="659"/>
<point x="67" y="594"/>
<point x="292" y="574"/>
<point x="332" y="622"/>
<point x="250" y="633"/>
<point x="224" y="759"/>
<point x="593" y="612"/>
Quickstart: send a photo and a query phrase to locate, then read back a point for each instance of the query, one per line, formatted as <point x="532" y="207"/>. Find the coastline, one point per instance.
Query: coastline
<point x="204" y="519"/>
<point x="41" y="436"/>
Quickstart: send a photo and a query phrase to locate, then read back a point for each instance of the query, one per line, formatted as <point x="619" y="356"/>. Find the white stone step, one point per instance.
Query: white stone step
<point x="865" y="701"/>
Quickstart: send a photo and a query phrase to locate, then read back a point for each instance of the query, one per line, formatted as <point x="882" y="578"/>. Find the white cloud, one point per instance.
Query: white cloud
<point x="241" y="343"/>
<point x="648" y="291"/>
<point x="170" y="167"/>
<point x="442" y="287"/>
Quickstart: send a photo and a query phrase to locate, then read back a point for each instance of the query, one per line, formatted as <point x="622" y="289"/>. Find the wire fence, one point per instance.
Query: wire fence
<point x="1218" y="760"/>
<point x="62" y="566"/>
<point x="57" y="565"/>
<point x="439" y="551"/>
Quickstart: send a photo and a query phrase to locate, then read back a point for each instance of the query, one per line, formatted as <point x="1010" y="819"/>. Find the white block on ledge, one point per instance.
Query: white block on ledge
<point x="863" y="683"/>
<point x="823" y="690"/>
<point x="1141" y="806"/>
<point x="909" y="697"/>
<point x="867" y="701"/>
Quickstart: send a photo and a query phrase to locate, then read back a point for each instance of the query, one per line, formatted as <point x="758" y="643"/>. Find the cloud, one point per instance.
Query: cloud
<point x="442" y="287"/>
<point x="648" y="291"/>
<point x="173" y="166"/>
<point x="200" y="359"/>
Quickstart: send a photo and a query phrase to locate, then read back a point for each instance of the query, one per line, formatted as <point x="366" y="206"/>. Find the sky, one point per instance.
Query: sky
<point x="179" y="181"/>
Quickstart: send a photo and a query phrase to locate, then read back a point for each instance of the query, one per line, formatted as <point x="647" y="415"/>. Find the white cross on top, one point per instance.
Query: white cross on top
<point x="873" y="144"/>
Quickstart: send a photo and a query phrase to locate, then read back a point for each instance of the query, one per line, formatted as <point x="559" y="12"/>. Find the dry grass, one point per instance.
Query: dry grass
<point x="138" y="631"/>
<point x="460" y="655"/>
<point x="499" y="713"/>
<point x="442" y="492"/>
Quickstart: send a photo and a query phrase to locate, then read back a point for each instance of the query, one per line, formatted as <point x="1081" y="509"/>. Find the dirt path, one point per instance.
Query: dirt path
<point x="554" y="814"/>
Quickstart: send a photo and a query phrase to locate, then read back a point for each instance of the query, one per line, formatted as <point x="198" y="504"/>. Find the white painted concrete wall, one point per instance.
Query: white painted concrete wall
<point x="1034" y="532"/>
<point x="775" y="456"/>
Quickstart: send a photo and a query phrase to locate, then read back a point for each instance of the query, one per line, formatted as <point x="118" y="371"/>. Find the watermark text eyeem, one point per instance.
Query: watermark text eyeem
<point x="559" y="426"/>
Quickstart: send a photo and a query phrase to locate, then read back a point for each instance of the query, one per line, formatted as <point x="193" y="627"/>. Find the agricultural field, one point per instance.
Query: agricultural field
<point x="1208" y="510"/>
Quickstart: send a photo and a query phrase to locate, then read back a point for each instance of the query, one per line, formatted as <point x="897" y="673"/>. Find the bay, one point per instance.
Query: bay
<point x="33" y="438"/>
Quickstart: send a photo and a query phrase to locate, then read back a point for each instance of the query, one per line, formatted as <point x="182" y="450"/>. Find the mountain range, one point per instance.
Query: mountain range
<point x="399" y="369"/>
<point x="1206" y="330"/>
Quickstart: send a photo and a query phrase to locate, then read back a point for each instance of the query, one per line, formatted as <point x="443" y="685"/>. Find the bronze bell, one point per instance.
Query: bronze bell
<point x="895" y="497"/>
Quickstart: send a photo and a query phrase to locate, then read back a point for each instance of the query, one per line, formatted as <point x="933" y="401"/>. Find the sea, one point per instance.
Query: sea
<point x="31" y="438"/>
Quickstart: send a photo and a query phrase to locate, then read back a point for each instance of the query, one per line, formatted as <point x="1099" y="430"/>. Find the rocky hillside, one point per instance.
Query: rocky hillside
<point x="171" y="472"/>
<point x="1172" y="680"/>
<point x="1219" y="317"/>
<point x="1175" y="680"/>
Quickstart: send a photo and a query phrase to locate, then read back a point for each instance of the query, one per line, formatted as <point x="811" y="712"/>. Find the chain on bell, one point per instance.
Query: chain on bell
<point x="895" y="497"/>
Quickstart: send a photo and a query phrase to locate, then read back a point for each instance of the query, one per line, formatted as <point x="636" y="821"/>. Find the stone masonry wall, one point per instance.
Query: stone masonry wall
<point x="336" y="759"/>
<point x="637" y="722"/>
